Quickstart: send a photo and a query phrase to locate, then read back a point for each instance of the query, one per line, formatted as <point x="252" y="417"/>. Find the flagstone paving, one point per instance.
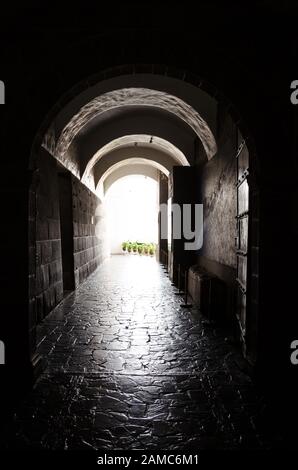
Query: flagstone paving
<point x="126" y="367"/>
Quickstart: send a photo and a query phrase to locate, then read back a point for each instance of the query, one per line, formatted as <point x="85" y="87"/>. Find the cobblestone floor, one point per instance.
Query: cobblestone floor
<point x="128" y="368"/>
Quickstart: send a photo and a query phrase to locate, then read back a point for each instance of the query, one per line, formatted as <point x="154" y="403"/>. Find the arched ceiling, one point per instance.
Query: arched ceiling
<point x="150" y="147"/>
<point x="150" y="155"/>
<point x="144" y="97"/>
<point x="133" y="166"/>
<point x="162" y="81"/>
<point x="128" y="121"/>
<point x="98" y="126"/>
<point x="141" y="141"/>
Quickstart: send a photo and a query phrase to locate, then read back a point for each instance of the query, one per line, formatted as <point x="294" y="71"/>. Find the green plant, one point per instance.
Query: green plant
<point x="139" y="247"/>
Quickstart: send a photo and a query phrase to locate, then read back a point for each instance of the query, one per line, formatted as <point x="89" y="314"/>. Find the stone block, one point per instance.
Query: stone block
<point x="39" y="280"/>
<point x="46" y="252"/>
<point x="42" y="204"/>
<point x="76" y="278"/>
<point x="58" y="292"/>
<point x="45" y="280"/>
<point x="54" y="229"/>
<point x="75" y="229"/>
<point x="38" y="253"/>
<point x="76" y="260"/>
<point x="46" y="301"/>
<point x="52" y="297"/>
<point x="53" y="272"/>
<point x="42" y="232"/>
<point x="56" y="249"/>
<point x="75" y="244"/>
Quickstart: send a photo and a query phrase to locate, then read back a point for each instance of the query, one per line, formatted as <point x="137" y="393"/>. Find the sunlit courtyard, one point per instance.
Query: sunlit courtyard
<point x="131" y="205"/>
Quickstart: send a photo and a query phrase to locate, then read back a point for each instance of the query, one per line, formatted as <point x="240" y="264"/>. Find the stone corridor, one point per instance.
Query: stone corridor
<point x="128" y="368"/>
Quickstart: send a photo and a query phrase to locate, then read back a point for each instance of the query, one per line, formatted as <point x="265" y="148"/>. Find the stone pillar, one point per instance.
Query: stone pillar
<point x="163" y="199"/>
<point x="182" y="190"/>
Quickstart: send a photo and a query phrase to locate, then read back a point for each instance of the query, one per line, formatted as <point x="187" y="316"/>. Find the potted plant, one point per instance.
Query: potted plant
<point x="151" y="250"/>
<point x="134" y="247"/>
<point x="129" y="247"/>
<point x="140" y="248"/>
<point x="146" y="249"/>
<point x="124" y="246"/>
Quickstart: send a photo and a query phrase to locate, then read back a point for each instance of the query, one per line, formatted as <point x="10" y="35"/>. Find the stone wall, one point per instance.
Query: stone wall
<point x="49" y="284"/>
<point x="88" y="231"/>
<point x="86" y="243"/>
<point x="218" y="195"/>
<point x="217" y="180"/>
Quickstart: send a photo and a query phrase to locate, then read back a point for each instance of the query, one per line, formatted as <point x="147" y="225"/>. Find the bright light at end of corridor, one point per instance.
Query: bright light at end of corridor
<point x="132" y="211"/>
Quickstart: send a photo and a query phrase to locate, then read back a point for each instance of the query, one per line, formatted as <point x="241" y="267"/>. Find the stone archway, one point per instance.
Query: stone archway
<point x="66" y="144"/>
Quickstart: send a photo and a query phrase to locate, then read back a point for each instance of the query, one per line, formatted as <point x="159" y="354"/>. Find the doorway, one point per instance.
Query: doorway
<point x="132" y="209"/>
